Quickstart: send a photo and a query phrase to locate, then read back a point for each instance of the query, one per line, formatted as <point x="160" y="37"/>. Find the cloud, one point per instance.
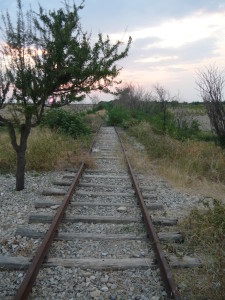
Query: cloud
<point x="156" y="59"/>
<point x="175" y="33"/>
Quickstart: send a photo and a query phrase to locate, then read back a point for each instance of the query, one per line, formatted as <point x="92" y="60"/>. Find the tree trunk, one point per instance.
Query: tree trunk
<point x="164" y="120"/>
<point x="20" y="149"/>
<point x="20" y="171"/>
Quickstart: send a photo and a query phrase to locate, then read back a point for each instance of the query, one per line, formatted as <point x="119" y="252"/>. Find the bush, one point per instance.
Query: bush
<point x="117" y="115"/>
<point x="65" y="122"/>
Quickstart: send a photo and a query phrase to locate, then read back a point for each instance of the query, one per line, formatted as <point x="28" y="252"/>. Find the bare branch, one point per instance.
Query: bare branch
<point x="210" y="84"/>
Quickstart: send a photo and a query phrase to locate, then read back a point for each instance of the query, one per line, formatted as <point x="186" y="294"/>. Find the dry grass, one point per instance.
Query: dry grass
<point x="46" y="151"/>
<point x="95" y="120"/>
<point x="204" y="230"/>
<point x="190" y="164"/>
<point x="205" y="236"/>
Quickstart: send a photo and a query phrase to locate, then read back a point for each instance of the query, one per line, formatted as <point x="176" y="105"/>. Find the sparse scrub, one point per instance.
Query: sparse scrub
<point x="46" y="151"/>
<point x="205" y="236"/>
<point x="7" y="154"/>
<point x="211" y="84"/>
<point x="133" y="105"/>
<point x="94" y="120"/>
<point x="189" y="157"/>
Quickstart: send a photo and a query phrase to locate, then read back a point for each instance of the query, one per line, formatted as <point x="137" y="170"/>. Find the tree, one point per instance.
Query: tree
<point x="211" y="83"/>
<point x="163" y="96"/>
<point x="133" y="97"/>
<point x="49" y="56"/>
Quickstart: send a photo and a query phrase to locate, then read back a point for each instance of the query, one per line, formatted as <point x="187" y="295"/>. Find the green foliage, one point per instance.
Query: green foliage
<point x="65" y="122"/>
<point x="117" y="115"/>
<point x="49" y="56"/>
<point x="126" y="117"/>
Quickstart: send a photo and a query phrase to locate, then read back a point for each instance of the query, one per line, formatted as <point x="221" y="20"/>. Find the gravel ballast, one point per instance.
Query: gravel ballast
<point x="75" y="283"/>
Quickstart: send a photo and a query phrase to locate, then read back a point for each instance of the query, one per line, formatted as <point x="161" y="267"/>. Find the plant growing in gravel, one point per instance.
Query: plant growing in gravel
<point x="48" y="57"/>
<point x="205" y="235"/>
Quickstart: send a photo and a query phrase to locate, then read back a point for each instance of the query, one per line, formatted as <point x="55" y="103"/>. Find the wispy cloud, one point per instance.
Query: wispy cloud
<point x="156" y="59"/>
<point x="178" y="32"/>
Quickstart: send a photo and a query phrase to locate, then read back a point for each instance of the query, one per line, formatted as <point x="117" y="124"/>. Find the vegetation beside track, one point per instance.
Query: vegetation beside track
<point x="189" y="158"/>
<point x="203" y="231"/>
<point x="204" y="236"/>
<point x="65" y="143"/>
<point x="184" y="153"/>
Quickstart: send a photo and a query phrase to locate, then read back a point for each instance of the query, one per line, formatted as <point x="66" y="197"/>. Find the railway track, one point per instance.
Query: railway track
<point x="102" y="241"/>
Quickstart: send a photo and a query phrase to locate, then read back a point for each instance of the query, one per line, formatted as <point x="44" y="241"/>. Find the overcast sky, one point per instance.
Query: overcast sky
<point x="172" y="39"/>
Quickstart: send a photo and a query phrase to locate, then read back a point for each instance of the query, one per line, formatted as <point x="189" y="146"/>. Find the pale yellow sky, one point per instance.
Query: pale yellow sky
<point x="171" y="56"/>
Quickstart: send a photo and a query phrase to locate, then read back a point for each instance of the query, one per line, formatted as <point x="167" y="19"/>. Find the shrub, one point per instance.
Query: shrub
<point x="65" y="122"/>
<point x="117" y="115"/>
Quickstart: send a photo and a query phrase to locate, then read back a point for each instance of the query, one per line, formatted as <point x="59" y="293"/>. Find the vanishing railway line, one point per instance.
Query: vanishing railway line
<point x="102" y="225"/>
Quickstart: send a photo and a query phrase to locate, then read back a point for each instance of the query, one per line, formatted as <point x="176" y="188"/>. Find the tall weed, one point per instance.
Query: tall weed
<point x="205" y="235"/>
<point x="201" y="159"/>
<point x="46" y="151"/>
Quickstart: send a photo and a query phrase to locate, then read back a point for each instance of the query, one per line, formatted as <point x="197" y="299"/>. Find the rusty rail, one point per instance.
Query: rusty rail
<point x="28" y="281"/>
<point x="165" y="270"/>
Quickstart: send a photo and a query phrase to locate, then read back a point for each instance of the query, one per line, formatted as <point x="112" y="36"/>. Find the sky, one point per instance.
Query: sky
<point x="172" y="39"/>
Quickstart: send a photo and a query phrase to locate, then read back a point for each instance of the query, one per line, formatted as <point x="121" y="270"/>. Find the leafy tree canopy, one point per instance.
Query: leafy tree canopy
<point x="47" y="55"/>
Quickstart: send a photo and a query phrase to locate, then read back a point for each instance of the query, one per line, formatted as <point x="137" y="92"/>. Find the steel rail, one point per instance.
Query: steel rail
<point x="41" y="254"/>
<point x="165" y="270"/>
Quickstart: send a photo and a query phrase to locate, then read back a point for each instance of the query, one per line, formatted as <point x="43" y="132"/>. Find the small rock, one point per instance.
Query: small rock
<point x="121" y="209"/>
<point x="92" y="278"/>
<point x="111" y="280"/>
<point x="55" y="206"/>
<point x="95" y="294"/>
<point x="164" y="293"/>
<point x="104" y="289"/>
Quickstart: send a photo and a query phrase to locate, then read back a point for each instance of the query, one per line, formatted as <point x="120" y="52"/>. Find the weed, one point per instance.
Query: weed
<point x="193" y="158"/>
<point x="125" y="229"/>
<point x="205" y="235"/>
<point x="46" y="150"/>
